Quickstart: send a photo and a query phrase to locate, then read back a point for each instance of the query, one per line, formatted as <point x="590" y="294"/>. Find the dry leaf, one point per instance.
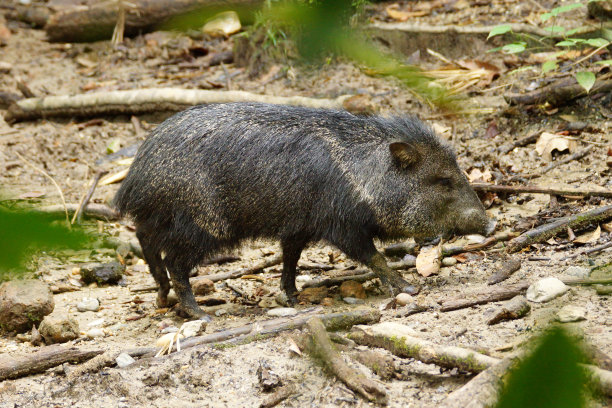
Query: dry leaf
<point x="294" y="347"/>
<point x="551" y="141"/>
<point x="428" y="260"/>
<point x="589" y="237"/>
<point x="607" y="226"/>
<point x="223" y="24"/>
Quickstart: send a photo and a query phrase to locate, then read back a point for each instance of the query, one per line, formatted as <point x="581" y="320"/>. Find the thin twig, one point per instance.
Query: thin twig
<point x="539" y="190"/>
<point x="59" y="190"/>
<point x="78" y="214"/>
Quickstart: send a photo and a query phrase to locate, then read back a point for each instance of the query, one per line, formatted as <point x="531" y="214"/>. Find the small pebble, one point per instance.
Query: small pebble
<point x="124" y="360"/>
<point x="353" y="301"/>
<point x="97" y="322"/>
<point x="88" y="305"/>
<point x="546" y="289"/>
<point x="571" y="313"/>
<point x="169" y="329"/>
<point x="282" y="312"/>
<point x="403" y="299"/>
<point x="303" y="278"/>
<point x="95" y="332"/>
<point x="193" y="328"/>
<point x="220" y="312"/>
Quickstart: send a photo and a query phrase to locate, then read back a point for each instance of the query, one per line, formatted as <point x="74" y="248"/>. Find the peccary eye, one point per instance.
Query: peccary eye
<point x="445" y="181"/>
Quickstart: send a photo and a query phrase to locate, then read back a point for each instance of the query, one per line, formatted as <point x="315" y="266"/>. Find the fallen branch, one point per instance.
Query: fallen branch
<point x="37" y="362"/>
<point x="551" y="229"/>
<point x="559" y="93"/>
<point x="101" y="211"/>
<point x="97" y="21"/>
<point x="506" y="270"/>
<point x="504" y="149"/>
<point x="598" y="248"/>
<point x="279" y="396"/>
<point x="323" y="349"/>
<point x="487" y="295"/>
<point x="255" y="269"/>
<point x="539" y="190"/>
<point x="399" y="340"/>
<point x="138" y="101"/>
<point x="482" y="390"/>
<point x="572" y="157"/>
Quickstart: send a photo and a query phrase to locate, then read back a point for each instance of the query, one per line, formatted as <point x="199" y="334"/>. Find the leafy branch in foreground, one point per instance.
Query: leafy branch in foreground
<point x="560" y="50"/>
<point x="24" y="232"/>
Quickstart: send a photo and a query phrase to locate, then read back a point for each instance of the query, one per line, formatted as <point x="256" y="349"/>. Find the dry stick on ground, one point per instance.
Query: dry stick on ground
<point x="575" y="156"/>
<point x="138" y="101"/>
<point x="507" y="269"/>
<point x="520" y="143"/>
<point x="539" y="190"/>
<point x="100" y="211"/>
<point x="398" y="339"/>
<point x="551" y="229"/>
<point x="323" y="349"/>
<point x="499" y="293"/>
<point x="559" y="93"/>
<point x="259" y="330"/>
<point x="279" y="396"/>
<point x="59" y="190"/>
<point x="78" y="214"/>
<point x="45" y="358"/>
<point x="588" y="251"/>
<point x="255" y="269"/>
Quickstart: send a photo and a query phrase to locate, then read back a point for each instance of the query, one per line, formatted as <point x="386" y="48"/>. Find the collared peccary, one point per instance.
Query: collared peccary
<point x="211" y="176"/>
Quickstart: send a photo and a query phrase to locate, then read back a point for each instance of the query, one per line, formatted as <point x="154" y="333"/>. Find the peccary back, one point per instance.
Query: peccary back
<point x="211" y="176"/>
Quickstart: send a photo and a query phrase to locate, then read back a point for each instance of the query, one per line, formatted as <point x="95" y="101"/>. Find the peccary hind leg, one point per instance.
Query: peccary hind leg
<point x="179" y="273"/>
<point x="292" y="248"/>
<point x="156" y="267"/>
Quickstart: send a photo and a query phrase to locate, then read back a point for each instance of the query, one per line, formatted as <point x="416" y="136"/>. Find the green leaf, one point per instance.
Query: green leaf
<point x="514" y="48"/>
<point x="521" y="69"/>
<point x="495" y="49"/>
<point x="500" y="29"/>
<point x="567" y="43"/>
<point x="605" y="62"/>
<point x="597" y="42"/>
<point x="555" y="29"/>
<point x="585" y="79"/>
<point x="575" y="30"/>
<point x="549" y="66"/>
<point x="550" y="377"/>
<point x="113" y="146"/>
<point x="546" y="16"/>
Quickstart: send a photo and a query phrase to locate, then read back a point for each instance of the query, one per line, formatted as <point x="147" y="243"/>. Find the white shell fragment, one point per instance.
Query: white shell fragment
<point x="282" y="312"/>
<point x="546" y="289"/>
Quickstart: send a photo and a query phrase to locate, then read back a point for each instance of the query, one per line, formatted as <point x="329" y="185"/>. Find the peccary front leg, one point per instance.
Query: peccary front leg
<point x="156" y="267"/>
<point x="391" y="279"/>
<point x="188" y="306"/>
<point x="292" y="249"/>
<point x="363" y="250"/>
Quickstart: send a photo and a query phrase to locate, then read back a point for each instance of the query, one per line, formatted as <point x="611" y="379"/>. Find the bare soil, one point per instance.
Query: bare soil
<point x="204" y="376"/>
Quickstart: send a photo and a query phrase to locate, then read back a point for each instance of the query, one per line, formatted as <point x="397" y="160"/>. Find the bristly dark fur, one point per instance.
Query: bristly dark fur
<point x="212" y="176"/>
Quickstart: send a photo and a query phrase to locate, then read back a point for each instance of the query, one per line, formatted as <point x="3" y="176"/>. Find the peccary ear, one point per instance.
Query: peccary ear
<point x="404" y="154"/>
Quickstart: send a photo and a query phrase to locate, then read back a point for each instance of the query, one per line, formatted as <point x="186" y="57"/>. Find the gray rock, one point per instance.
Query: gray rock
<point x="58" y="329"/>
<point x="546" y="289"/>
<point x="353" y="301"/>
<point x="24" y="303"/>
<point x="124" y="360"/>
<point x="88" y="305"/>
<point x="107" y="273"/>
<point x="282" y="312"/>
<point x="578" y="271"/>
<point x="571" y="313"/>
<point x="170" y="329"/>
<point x="220" y="312"/>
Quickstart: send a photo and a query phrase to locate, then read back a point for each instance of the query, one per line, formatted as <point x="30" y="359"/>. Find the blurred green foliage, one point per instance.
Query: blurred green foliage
<point x="24" y="232"/>
<point x="550" y="377"/>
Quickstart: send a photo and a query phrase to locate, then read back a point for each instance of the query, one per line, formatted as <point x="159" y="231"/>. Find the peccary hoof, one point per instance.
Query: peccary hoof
<point x="190" y="312"/>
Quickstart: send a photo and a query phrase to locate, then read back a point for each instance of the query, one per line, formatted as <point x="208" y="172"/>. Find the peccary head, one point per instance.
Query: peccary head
<point x="431" y="196"/>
